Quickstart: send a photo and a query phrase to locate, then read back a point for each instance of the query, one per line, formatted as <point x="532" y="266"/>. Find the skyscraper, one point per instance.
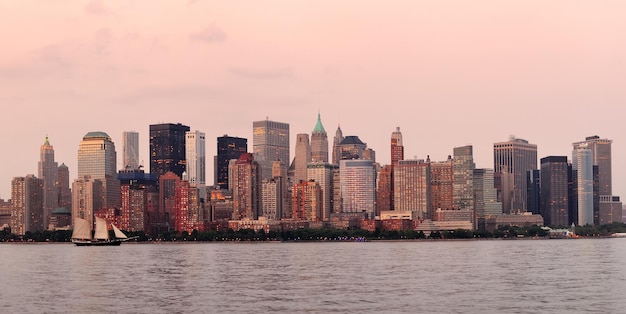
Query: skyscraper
<point x="322" y="173"/>
<point x="303" y="157"/>
<point x="582" y="165"/>
<point x="195" y="154"/>
<point x="336" y="142"/>
<point x="608" y="204"/>
<point x="384" y="189"/>
<point x="97" y="160"/>
<point x="319" y="142"/>
<point x="63" y="186"/>
<point x="441" y="185"/>
<point x="87" y="198"/>
<point x="351" y="148"/>
<point x="227" y="148"/>
<point x="307" y="201"/>
<point x="270" y="142"/>
<point x="487" y="204"/>
<point x="554" y="190"/>
<point x="358" y="186"/>
<point x="27" y="204"/>
<point x="463" y="169"/>
<point x="511" y="161"/>
<point x="397" y="149"/>
<point x="412" y="187"/>
<point x="167" y="148"/>
<point x="130" y="147"/>
<point x="246" y="188"/>
<point x="48" y="172"/>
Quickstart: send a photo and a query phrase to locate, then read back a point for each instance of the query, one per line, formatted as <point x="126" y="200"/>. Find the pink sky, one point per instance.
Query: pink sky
<point x="449" y="73"/>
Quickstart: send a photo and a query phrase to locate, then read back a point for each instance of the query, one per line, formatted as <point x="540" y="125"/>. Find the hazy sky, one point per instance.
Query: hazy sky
<point x="448" y="73"/>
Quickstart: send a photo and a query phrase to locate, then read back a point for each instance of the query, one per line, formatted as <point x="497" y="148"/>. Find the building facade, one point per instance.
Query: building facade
<point x="195" y="156"/>
<point x="27" y="205"/>
<point x="463" y="172"/>
<point x="130" y="150"/>
<point x="322" y="173"/>
<point x="49" y="174"/>
<point x="397" y="148"/>
<point x="307" y="201"/>
<point x="228" y="148"/>
<point x="512" y="160"/>
<point x="582" y="166"/>
<point x="358" y="186"/>
<point x="303" y="157"/>
<point x="167" y="148"/>
<point x="319" y="142"/>
<point x="554" y="181"/>
<point x="336" y="142"/>
<point x="270" y="142"/>
<point x="63" y="187"/>
<point x="441" y="185"/>
<point x="412" y="187"/>
<point x="97" y="160"/>
<point x="87" y="198"/>
<point x="486" y="202"/>
<point x="246" y="183"/>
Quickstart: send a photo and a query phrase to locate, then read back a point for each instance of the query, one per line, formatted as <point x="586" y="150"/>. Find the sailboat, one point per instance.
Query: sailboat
<point x="81" y="236"/>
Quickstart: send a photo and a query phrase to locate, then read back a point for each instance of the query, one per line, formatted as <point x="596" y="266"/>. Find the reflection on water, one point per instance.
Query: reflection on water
<point x="498" y="276"/>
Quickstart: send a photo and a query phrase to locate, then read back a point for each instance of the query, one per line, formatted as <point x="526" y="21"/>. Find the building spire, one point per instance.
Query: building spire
<point x="319" y="128"/>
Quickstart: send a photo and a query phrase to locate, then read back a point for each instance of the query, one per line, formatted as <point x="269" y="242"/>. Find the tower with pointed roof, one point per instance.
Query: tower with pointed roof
<point x="48" y="173"/>
<point x="336" y="142"/>
<point x="319" y="142"/>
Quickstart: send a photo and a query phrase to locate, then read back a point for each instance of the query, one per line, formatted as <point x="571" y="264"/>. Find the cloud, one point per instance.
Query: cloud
<point x="210" y="34"/>
<point x="263" y="74"/>
<point x="102" y="41"/>
<point x="96" y="7"/>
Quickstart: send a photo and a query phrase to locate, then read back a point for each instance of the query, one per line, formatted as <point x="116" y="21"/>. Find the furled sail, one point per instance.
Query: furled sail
<point x="101" y="229"/>
<point x="118" y="233"/>
<point x="82" y="229"/>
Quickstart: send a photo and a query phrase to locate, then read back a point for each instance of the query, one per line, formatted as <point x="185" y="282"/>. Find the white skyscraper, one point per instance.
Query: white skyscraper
<point x="582" y="164"/>
<point x="357" y="180"/>
<point x="130" y="141"/>
<point x="196" y="160"/>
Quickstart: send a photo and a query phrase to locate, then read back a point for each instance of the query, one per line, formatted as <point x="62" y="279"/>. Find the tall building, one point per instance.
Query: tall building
<point x="358" y="186"/>
<point x="397" y="149"/>
<point x="27" y="197"/>
<point x="412" y="187"/>
<point x="319" y="142"/>
<point x="303" y="157"/>
<point x="533" y="191"/>
<point x="130" y="150"/>
<point x="87" y="198"/>
<point x="139" y="198"/>
<point x="351" y="148"/>
<point x="384" y="189"/>
<point x="582" y="165"/>
<point x="272" y="198"/>
<point x="228" y="148"/>
<point x="512" y="160"/>
<point x="487" y="205"/>
<point x="441" y="185"/>
<point x="554" y="190"/>
<point x="195" y="154"/>
<point x="270" y="142"/>
<point x="322" y="173"/>
<point x="48" y="172"/>
<point x="336" y="142"/>
<point x="167" y="148"/>
<point x="463" y="169"/>
<point x="307" y="201"/>
<point x="63" y="187"/>
<point x="167" y="199"/>
<point x="246" y="183"/>
<point x="189" y="211"/>
<point x="607" y="203"/>
<point x="97" y="160"/>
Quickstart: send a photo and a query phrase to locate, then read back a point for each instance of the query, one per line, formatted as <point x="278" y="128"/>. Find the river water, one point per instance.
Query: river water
<point x="492" y="276"/>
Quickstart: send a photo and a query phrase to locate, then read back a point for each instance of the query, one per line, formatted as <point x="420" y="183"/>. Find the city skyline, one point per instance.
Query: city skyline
<point x="474" y="74"/>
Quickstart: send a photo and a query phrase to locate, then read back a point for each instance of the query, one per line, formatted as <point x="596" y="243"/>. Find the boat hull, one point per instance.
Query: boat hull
<point x="97" y="243"/>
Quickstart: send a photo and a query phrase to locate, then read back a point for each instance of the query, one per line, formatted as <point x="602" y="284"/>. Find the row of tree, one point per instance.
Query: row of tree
<point x="324" y="234"/>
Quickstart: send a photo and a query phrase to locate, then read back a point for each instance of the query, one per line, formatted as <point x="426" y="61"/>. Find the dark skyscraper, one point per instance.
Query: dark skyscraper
<point x="227" y="148"/>
<point x="554" y="179"/>
<point x="167" y="148"/>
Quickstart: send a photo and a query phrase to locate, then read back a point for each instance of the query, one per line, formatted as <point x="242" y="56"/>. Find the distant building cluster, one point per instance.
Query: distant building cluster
<point x="323" y="186"/>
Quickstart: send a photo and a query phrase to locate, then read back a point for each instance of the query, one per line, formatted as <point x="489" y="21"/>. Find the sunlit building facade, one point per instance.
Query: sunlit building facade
<point x="358" y="186"/>
<point x="27" y="205"/>
<point x="270" y="142"/>
<point x="463" y="171"/>
<point x="97" y="160"/>
<point x="412" y="187"/>
<point x="48" y="173"/>
<point x="303" y="157"/>
<point x="322" y="173"/>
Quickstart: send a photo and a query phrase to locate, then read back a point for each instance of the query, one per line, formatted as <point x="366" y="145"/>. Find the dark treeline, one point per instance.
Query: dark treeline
<point x="324" y="234"/>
